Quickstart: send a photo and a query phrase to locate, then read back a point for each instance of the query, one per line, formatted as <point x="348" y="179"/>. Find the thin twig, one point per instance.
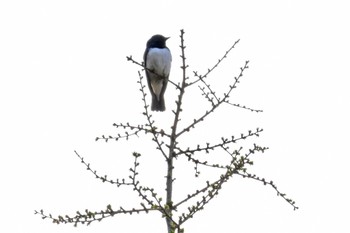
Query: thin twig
<point x="215" y="66"/>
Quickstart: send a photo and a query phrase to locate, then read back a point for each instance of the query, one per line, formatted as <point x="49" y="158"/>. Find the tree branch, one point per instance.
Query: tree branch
<point x="169" y="177"/>
<point x="224" y="141"/>
<point x="134" y="131"/>
<point x="245" y="174"/>
<point x="244" y="107"/>
<point x="224" y="99"/>
<point x="90" y="216"/>
<point x="146" y="113"/>
<point x="215" y="66"/>
<point x="104" y="178"/>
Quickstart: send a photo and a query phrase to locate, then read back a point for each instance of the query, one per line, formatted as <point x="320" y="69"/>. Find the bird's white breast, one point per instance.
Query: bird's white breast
<point x="159" y="60"/>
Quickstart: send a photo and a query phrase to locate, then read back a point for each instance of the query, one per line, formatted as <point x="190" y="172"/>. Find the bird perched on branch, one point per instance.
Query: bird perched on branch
<point x="157" y="60"/>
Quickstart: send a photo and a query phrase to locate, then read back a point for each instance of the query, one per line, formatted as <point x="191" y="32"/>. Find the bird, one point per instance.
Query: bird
<point x="157" y="61"/>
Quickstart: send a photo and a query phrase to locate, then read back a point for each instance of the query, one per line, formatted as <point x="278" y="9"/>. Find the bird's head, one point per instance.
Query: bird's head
<point x="157" y="41"/>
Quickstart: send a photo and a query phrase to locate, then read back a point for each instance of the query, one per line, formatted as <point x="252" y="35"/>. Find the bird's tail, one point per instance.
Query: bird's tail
<point x="158" y="105"/>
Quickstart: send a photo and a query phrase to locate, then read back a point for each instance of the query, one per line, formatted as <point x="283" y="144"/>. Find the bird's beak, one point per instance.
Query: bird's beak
<point x="166" y="38"/>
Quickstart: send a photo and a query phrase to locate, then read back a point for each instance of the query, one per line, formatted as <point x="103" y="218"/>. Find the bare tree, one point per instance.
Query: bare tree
<point x="169" y="147"/>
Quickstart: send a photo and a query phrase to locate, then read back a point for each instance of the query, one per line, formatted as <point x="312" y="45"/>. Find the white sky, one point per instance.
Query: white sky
<point x="64" y="80"/>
